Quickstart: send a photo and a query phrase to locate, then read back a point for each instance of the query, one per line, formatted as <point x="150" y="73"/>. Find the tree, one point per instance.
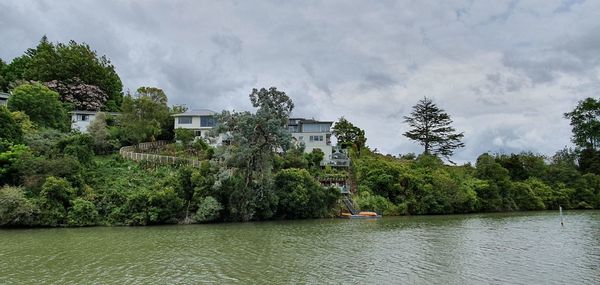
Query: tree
<point x="349" y="135"/>
<point x="10" y="130"/>
<point x="585" y="120"/>
<point x="40" y="104"/>
<point x="64" y="62"/>
<point x="142" y="117"/>
<point x="254" y="138"/>
<point x="155" y="94"/>
<point x="99" y="132"/>
<point x="3" y="79"/>
<point x="430" y="126"/>
<point x="78" y="94"/>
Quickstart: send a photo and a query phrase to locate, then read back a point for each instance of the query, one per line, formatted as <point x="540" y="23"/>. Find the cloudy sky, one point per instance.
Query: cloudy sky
<point x="505" y="71"/>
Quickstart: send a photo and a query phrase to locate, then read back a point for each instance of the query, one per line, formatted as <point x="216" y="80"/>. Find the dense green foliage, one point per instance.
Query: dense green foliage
<point x="585" y="120"/>
<point x="66" y="63"/>
<point x="10" y="129"/>
<point x="144" y="116"/>
<point x="349" y="135"/>
<point x="497" y="183"/>
<point x="41" y="105"/>
<point x="301" y="196"/>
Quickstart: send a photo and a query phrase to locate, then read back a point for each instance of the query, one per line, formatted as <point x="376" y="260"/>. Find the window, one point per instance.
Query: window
<point x="84" y="117"/>
<point x="184" y="120"/>
<point x="198" y="133"/>
<point x="316" y="138"/>
<point x="207" y="121"/>
<point x="316" y="128"/>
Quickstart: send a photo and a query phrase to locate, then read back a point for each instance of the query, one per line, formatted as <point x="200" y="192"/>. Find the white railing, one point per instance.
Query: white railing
<point x="133" y="153"/>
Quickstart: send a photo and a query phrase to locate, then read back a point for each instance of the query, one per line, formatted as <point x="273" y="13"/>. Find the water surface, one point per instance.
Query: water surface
<point x="508" y="248"/>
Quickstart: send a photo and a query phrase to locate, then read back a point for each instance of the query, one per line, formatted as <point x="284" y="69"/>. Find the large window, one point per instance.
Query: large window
<point x="207" y="121"/>
<point x="184" y="120"/>
<point x="316" y="128"/>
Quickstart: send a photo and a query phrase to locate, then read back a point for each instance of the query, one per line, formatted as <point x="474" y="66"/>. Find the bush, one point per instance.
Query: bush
<point x="82" y="213"/>
<point x="10" y="129"/>
<point x="16" y="209"/>
<point x="208" y="210"/>
<point x="301" y="196"/>
<point x="10" y="163"/>
<point x="369" y="202"/>
<point x="55" y="199"/>
<point x="185" y="136"/>
<point x="80" y="146"/>
<point x="164" y="206"/>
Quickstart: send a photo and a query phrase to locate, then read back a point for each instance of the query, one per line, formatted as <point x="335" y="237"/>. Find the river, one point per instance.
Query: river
<point x="504" y="248"/>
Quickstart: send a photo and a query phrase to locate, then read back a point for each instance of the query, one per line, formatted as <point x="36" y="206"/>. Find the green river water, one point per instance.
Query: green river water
<point x="506" y="248"/>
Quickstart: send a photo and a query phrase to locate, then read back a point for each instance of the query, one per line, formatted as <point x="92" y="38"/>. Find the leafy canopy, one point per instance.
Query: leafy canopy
<point x="40" y="104"/>
<point x="585" y="120"/>
<point x="349" y="135"/>
<point x="64" y="62"/>
<point x="143" y="116"/>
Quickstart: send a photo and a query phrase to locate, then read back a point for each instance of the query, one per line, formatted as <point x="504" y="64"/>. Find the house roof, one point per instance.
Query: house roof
<point x="196" y="113"/>
<point x="308" y="121"/>
<point x="4" y="95"/>
<point x="92" y="112"/>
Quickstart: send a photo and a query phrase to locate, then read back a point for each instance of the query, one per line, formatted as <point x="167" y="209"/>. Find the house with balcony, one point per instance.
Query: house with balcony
<point x="316" y="134"/>
<point x="200" y="121"/>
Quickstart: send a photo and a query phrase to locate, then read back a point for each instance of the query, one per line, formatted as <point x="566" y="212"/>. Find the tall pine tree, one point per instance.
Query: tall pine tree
<point x="430" y="126"/>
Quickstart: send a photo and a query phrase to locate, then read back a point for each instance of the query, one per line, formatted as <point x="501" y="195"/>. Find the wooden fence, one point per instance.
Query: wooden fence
<point x="135" y="153"/>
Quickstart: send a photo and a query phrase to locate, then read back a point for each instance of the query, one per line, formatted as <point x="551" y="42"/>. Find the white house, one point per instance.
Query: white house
<point x="3" y="98"/>
<point x="313" y="134"/>
<point x="80" y="120"/>
<point x="200" y="121"/>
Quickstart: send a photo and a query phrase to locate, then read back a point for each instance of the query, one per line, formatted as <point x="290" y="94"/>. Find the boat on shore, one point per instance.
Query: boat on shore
<point x="360" y="215"/>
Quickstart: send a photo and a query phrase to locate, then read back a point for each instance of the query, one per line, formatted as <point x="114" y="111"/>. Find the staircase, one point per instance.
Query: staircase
<point x="349" y="204"/>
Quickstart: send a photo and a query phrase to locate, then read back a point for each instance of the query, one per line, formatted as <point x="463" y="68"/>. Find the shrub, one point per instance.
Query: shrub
<point x="10" y="129"/>
<point x="208" y="210"/>
<point x="82" y="213"/>
<point x="54" y="201"/>
<point x="301" y="196"/>
<point x="16" y="209"/>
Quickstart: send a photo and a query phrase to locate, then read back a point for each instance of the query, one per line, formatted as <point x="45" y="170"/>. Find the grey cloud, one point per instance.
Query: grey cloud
<point x="566" y="5"/>
<point x="497" y="67"/>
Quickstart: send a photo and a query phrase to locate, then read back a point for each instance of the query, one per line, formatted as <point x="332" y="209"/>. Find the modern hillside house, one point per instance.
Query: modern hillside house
<point x="3" y="98"/>
<point x="201" y="121"/>
<point x="313" y="134"/>
<point x="80" y="120"/>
